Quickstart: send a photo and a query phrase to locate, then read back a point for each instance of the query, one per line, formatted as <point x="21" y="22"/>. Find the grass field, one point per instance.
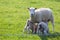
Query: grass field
<point x="13" y="16"/>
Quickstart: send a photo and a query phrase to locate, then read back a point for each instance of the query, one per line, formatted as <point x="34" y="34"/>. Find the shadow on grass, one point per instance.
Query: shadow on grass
<point x="54" y="35"/>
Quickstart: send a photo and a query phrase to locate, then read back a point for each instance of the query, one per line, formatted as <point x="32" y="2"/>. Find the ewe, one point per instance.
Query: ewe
<point x="41" y="14"/>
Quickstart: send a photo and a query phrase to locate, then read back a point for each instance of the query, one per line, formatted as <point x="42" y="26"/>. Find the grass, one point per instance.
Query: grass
<point x="13" y="16"/>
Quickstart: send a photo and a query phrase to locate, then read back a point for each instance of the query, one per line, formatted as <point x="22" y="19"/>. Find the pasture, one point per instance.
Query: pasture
<point x="13" y="16"/>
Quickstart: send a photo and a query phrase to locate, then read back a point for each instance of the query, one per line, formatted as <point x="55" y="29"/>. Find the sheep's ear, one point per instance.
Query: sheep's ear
<point x="35" y="8"/>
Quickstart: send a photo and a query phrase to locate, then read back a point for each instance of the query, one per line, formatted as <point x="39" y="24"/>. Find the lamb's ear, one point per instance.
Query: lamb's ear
<point x="35" y="8"/>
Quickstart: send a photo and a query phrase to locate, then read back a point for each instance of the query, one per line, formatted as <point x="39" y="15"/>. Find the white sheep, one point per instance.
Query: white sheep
<point x="41" y="14"/>
<point x="42" y="28"/>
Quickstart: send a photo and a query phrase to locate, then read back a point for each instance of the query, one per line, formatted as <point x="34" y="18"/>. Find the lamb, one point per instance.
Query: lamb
<point x="30" y="26"/>
<point x="41" y="15"/>
<point x="42" y="28"/>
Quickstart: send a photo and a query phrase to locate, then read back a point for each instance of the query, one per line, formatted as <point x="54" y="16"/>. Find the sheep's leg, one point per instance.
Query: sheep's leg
<point x="48" y="30"/>
<point x="52" y="21"/>
<point x="25" y="29"/>
<point x="45" y="32"/>
<point x="48" y="27"/>
<point x="28" y="29"/>
<point x="33" y="29"/>
<point x="38" y="31"/>
<point x="26" y="26"/>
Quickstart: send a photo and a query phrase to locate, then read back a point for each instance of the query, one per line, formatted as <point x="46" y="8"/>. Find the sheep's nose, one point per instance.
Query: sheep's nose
<point x="32" y="14"/>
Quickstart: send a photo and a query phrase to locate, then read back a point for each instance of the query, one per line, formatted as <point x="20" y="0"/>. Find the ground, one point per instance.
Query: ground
<point x="14" y="14"/>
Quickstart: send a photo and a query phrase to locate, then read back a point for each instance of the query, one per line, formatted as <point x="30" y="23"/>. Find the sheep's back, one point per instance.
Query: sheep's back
<point x="43" y="14"/>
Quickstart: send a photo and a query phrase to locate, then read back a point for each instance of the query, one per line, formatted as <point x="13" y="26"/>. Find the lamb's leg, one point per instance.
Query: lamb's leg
<point x="32" y="29"/>
<point x="38" y="31"/>
<point x="26" y="26"/>
<point x="48" y="27"/>
<point x="28" y="29"/>
<point x="45" y="32"/>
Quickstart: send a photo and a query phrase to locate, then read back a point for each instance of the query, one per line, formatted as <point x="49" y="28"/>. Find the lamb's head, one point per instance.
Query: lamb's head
<point x="32" y="10"/>
<point x="41" y="27"/>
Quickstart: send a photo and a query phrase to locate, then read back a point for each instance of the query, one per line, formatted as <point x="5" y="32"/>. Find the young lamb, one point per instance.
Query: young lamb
<point x="30" y="26"/>
<point x="41" y="14"/>
<point x="42" y="28"/>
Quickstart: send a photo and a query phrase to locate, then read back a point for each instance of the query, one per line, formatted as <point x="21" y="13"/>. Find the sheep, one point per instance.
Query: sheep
<point x="41" y="14"/>
<point x="42" y="28"/>
<point x="30" y="26"/>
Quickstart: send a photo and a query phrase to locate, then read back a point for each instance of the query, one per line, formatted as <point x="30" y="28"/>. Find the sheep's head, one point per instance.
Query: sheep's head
<point x="32" y="10"/>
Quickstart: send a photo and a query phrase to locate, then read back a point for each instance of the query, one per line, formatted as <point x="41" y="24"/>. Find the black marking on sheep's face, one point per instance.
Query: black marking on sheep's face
<point x="41" y="28"/>
<point x="29" y="23"/>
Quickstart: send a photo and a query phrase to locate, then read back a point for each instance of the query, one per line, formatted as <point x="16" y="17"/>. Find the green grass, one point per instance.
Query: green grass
<point x="13" y="16"/>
